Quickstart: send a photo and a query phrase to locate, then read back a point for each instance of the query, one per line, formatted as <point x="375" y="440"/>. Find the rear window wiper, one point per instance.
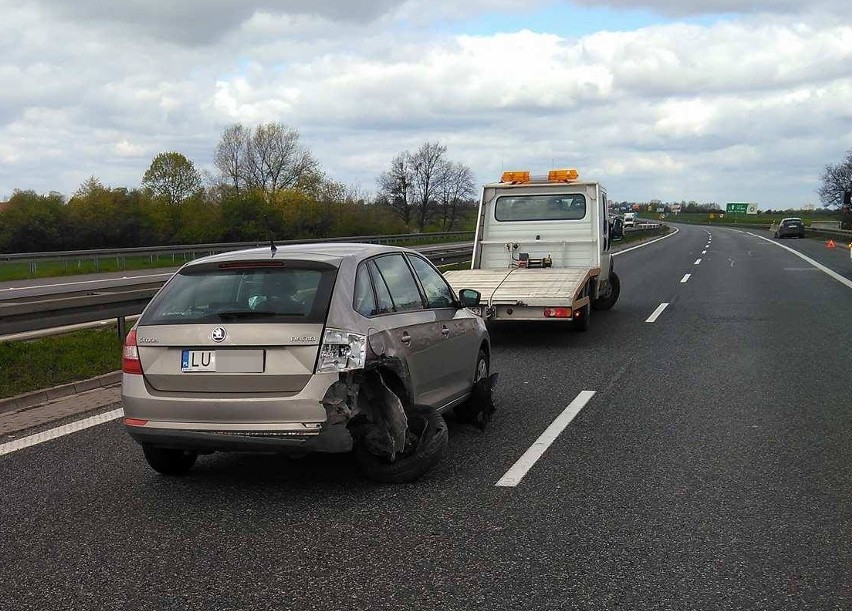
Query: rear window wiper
<point x="234" y="314"/>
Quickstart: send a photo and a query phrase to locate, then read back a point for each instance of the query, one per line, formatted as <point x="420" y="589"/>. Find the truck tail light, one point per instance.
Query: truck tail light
<point x="557" y="312"/>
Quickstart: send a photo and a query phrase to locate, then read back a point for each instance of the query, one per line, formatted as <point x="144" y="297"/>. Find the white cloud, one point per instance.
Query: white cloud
<point x="674" y="110"/>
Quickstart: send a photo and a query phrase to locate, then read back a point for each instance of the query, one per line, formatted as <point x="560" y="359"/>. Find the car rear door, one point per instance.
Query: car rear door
<point x="458" y="345"/>
<point x="407" y="324"/>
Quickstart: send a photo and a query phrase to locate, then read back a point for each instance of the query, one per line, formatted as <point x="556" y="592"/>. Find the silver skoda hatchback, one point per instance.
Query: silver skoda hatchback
<point x="306" y="348"/>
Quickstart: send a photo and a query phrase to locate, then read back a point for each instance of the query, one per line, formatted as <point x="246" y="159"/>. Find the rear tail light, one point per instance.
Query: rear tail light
<point x="557" y="312"/>
<point x="130" y="362"/>
<point x="342" y="351"/>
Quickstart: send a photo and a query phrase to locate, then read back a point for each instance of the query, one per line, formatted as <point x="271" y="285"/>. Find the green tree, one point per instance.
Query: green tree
<point x="33" y="222"/>
<point x="171" y="178"/>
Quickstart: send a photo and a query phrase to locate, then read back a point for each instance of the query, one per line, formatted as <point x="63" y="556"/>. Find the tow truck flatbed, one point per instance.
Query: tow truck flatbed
<point x="525" y="294"/>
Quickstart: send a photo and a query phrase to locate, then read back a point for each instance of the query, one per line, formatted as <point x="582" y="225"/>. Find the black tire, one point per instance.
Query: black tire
<point x="479" y="408"/>
<point x="429" y="443"/>
<point x="169" y="461"/>
<point x="605" y="303"/>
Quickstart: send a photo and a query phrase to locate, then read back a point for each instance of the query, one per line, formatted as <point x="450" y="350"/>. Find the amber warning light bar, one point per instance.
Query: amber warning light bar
<point x="522" y="177"/>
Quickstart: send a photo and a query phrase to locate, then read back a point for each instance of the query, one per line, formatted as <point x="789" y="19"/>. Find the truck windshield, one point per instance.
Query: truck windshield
<point x="550" y="207"/>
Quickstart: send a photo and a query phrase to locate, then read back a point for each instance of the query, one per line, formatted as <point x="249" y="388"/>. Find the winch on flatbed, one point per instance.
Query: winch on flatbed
<point x="542" y="249"/>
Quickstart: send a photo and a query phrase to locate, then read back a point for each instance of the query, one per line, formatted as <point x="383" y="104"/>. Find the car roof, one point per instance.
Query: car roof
<point x="791" y="218"/>
<point x="332" y="253"/>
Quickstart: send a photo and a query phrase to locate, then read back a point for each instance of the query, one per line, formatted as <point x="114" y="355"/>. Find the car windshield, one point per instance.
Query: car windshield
<point x="297" y="293"/>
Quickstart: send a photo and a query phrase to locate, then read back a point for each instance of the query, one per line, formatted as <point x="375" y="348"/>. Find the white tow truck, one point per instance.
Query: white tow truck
<point x="542" y="249"/>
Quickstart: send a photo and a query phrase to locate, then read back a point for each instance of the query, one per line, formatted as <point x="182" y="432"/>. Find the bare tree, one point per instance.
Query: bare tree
<point x="835" y="180"/>
<point x="421" y="184"/>
<point x="395" y="187"/>
<point x="454" y="187"/>
<point x="426" y="169"/>
<point x="231" y="155"/>
<point x="268" y="158"/>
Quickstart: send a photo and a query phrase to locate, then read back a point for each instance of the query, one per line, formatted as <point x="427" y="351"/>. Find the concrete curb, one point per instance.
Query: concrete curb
<point x="38" y="397"/>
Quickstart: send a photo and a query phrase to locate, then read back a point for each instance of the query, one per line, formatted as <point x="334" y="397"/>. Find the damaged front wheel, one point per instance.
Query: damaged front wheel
<point x="426" y="442"/>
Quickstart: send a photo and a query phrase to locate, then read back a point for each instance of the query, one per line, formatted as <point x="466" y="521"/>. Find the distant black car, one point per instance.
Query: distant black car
<point x="790" y="227"/>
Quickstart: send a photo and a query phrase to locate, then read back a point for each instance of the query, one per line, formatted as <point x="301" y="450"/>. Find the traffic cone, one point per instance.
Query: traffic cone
<point x="830" y="244"/>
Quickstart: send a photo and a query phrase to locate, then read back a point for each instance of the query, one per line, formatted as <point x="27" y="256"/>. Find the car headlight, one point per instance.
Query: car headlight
<point x="342" y="351"/>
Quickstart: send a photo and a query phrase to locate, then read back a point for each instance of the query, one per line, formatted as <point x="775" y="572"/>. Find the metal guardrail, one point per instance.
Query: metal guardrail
<point x="27" y="314"/>
<point x="184" y="252"/>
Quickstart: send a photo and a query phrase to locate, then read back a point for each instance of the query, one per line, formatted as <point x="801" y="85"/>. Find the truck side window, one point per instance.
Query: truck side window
<point x="401" y="284"/>
<point x="438" y="292"/>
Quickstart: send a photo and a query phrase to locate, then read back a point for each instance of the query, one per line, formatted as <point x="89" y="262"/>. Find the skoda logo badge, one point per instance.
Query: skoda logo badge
<point x="219" y="334"/>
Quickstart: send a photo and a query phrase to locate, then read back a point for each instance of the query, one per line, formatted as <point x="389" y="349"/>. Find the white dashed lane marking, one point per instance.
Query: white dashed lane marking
<point x="656" y="314"/>
<point x="517" y="472"/>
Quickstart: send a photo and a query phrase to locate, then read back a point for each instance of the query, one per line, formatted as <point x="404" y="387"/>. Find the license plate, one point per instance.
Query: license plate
<point x="197" y="360"/>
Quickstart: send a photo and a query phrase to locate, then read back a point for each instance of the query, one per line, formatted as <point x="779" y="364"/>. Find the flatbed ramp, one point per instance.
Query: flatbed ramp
<point x="545" y="287"/>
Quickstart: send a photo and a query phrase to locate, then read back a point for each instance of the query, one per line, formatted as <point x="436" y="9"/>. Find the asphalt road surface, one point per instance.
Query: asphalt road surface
<point x="710" y="469"/>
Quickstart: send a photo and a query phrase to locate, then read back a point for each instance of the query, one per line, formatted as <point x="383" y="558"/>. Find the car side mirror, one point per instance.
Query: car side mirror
<point x="469" y="298"/>
<point x="616" y="229"/>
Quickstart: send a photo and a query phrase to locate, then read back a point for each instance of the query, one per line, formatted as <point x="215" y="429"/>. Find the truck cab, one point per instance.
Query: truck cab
<point x="543" y="248"/>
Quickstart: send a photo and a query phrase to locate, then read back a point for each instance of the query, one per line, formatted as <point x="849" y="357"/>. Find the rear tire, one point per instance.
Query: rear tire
<point x="429" y="443"/>
<point x="169" y="461"/>
<point x="479" y="408"/>
<point x="605" y="303"/>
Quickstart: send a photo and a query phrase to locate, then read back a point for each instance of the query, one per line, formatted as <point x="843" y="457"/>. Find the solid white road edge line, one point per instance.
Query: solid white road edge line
<point x="517" y="471"/>
<point x="621" y="252"/>
<point x="44" y="286"/>
<point x="685" y="278"/>
<point x="819" y="266"/>
<point x="60" y="431"/>
<point x="653" y="317"/>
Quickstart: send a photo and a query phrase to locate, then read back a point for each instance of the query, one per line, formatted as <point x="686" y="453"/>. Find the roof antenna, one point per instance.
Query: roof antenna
<point x="269" y="230"/>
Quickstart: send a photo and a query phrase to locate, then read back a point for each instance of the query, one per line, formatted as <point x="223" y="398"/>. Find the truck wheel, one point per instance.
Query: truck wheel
<point x="426" y="445"/>
<point x="169" y="461"/>
<point x="605" y="303"/>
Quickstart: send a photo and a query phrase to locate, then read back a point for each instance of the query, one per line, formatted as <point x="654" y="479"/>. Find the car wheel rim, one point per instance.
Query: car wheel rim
<point x="481" y="370"/>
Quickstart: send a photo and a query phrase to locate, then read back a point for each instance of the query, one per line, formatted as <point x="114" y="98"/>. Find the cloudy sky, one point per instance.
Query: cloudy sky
<point x="706" y="100"/>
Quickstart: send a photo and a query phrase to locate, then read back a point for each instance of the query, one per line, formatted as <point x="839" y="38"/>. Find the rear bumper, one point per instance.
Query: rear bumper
<point x="221" y="421"/>
<point x="331" y="439"/>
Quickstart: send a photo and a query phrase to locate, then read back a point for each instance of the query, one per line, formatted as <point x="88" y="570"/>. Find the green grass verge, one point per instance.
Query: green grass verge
<point x="27" y="366"/>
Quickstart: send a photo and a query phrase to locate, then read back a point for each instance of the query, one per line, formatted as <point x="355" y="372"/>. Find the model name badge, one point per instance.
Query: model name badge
<point x="303" y="339"/>
<point x="148" y="340"/>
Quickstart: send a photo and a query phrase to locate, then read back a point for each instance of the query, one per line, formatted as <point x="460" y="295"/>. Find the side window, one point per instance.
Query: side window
<point x="438" y="292"/>
<point x="384" y="303"/>
<point x="365" y="302"/>
<point x="401" y="284"/>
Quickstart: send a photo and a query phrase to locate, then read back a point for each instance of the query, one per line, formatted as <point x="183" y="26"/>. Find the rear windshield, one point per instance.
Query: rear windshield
<point x="296" y="293"/>
<point x="540" y="207"/>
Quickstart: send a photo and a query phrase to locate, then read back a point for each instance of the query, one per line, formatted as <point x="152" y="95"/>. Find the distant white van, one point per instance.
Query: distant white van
<point x="629" y="219"/>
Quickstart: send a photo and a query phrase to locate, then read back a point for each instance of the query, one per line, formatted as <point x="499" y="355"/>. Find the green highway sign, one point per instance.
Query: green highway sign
<point x="738" y="208"/>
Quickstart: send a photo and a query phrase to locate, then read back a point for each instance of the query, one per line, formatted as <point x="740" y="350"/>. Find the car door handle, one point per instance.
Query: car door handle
<point x="406" y="338"/>
<point x="445" y="332"/>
